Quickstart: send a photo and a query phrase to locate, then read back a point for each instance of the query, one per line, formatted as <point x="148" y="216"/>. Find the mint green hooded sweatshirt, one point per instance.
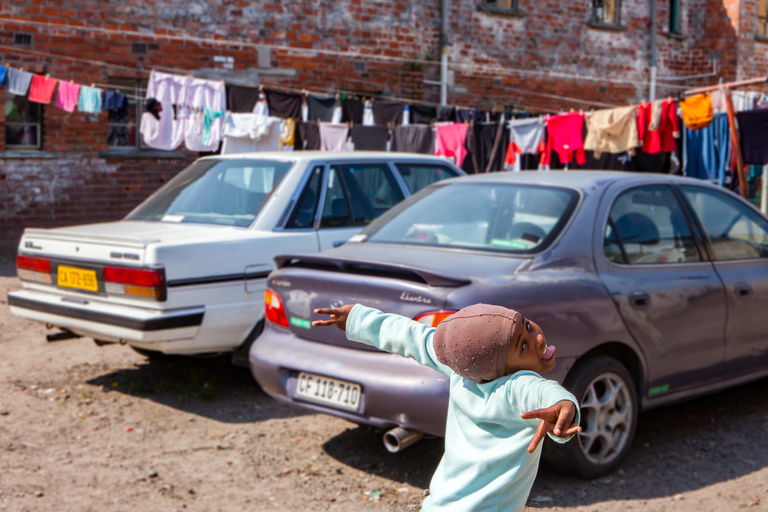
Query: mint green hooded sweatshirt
<point x="486" y="465"/>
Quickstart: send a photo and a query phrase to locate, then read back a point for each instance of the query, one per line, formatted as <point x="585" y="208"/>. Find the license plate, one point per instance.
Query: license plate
<point x="79" y="278"/>
<point x="336" y="393"/>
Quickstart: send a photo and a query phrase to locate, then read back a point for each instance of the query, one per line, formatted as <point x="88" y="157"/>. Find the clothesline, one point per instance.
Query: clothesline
<point x="527" y="105"/>
<point x="728" y="85"/>
<point x="181" y="109"/>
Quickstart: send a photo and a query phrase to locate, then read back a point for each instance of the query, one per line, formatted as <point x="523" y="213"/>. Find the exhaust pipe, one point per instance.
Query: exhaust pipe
<point x="399" y="438"/>
<point x="61" y="336"/>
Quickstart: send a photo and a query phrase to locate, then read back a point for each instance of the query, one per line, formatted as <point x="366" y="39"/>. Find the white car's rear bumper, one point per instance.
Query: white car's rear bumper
<point x="107" y="321"/>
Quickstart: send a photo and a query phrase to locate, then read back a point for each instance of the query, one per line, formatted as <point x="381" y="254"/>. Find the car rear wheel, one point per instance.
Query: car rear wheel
<point x="608" y="403"/>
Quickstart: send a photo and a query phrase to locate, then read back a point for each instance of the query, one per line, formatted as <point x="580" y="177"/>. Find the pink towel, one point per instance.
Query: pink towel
<point x="69" y="96"/>
<point x="450" y="141"/>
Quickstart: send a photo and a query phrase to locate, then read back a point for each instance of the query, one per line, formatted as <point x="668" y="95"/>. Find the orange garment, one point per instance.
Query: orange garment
<point x="697" y="111"/>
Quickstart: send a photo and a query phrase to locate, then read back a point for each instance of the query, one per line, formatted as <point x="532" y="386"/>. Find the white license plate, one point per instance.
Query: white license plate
<point x="333" y="392"/>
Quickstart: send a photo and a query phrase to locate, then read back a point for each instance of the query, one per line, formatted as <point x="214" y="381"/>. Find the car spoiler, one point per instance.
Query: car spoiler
<point x="371" y="268"/>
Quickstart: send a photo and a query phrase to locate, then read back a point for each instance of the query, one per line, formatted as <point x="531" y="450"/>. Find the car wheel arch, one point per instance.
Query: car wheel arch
<point x="624" y="354"/>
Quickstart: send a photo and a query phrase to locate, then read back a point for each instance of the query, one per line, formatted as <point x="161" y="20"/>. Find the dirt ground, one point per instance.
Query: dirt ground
<point x="84" y="428"/>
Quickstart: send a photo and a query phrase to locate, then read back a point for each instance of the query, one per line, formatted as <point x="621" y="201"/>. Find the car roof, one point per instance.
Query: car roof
<point x="329" y="155"/>
<point x="582" y="179"/>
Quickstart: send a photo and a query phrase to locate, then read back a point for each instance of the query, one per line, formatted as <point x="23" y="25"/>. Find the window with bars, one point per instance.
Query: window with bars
<point x="674" y="16"/>
<point x="23" y="123"/>
<point x="606" y="12"/>
<point x="762" y="18"/>
<point x="123" y="129"/>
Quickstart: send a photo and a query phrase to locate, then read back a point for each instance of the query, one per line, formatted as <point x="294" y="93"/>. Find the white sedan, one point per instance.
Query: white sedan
<point x="185" y="272"/>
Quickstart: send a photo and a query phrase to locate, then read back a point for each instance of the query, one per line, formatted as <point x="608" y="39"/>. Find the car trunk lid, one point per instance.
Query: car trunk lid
<point x="306" y="282"/>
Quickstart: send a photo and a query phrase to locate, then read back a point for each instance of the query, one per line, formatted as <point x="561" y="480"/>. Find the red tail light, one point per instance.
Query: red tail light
<point x="139" y="277"/>
<point x="433" y="318"/>
<point x="135" y="282"/>
<point x="273" y="309"/>
<point x="30" y="268"/>
<point x="32" y="263"/>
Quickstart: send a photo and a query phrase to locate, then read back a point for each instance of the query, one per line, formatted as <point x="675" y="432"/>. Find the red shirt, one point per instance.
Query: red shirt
<point x="564" y="135"/>
<point x="662" y="139"/>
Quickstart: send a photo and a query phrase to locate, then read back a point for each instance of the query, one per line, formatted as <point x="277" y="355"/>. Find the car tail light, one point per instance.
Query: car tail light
<point x="135" y="282"/>
<point x="30" y="268"/>
<point x="273" y="309"/>
<point x="433" y="318"/>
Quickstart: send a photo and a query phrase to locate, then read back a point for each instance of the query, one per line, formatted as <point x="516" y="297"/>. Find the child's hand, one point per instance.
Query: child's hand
<point x="338" y="316"/>
<point x="555" y="419"/>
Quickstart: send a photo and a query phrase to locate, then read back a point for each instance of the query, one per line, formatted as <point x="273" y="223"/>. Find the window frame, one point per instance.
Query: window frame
<point x="599" y="20"/>
<point x="491" y="6"/>
<point x="294" y="208"/>
<point x="762" y="20"/>
<point x="38" y="126"/>
<point x="675" y="18"/>
<point x="139" y="87"/>
<point x="694" y="227"/>
<point x="702" y="233"/>
<point x="399" y="173"/>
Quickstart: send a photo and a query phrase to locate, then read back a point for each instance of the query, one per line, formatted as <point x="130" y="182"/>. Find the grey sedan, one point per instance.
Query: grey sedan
<point x="650" y="286"/>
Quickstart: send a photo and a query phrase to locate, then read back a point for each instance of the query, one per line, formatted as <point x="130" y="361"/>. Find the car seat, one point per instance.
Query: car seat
<point x="636" y="228"/>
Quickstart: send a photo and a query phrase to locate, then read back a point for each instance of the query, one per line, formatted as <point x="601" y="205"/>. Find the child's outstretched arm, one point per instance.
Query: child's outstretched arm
<point x="389" y="332"/>
<point x="557" y="419"/>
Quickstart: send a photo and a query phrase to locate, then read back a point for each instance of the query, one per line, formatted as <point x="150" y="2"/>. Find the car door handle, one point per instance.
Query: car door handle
<point x="743" y="290"/>
<point x="640" y="299"/>
<point x="339" y="243"/>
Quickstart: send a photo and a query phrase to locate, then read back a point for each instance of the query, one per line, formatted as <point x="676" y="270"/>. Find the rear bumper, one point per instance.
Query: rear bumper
<point x="396" y="391"/>
<point x="107" y="321"/>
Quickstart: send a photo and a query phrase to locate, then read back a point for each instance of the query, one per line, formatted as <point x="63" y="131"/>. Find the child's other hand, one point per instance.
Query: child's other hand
<point x="338" y="316"/>
<point x="555" y="419"/>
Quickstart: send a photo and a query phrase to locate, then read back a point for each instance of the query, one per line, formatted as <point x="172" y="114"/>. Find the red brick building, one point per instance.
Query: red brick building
<point x="58" y="168"/>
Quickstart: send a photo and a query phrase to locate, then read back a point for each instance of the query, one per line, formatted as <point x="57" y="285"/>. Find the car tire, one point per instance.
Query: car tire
<point x="609" y="409"/>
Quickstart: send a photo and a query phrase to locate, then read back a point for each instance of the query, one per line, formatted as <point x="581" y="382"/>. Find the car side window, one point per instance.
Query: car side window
<point x="647" y="226"/>
<point x="303" y="216"/>
<point x="357" y="194"/>
<point x="418" y="176"/>
<point x="734" y="230"/>
<point x="336" y="206"/>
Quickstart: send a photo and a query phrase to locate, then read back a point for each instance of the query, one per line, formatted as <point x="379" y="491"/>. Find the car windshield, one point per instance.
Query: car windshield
<point x="230" y="192"/>
<point x="517" y="218"/>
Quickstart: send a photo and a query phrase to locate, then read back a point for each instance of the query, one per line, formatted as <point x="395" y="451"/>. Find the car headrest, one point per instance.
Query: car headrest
<point x="637" y="228"/>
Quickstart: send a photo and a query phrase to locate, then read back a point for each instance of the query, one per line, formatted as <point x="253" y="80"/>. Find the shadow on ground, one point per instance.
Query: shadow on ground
<point x="209" y="387"/>
<point x="363" y="448"/>
<point x="677" y="449"/>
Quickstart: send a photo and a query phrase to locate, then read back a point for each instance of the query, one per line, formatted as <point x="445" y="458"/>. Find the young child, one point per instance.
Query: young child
<point x="493" y="356"/>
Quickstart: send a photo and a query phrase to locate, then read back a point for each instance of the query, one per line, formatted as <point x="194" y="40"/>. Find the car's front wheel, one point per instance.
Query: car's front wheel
<point x="609" y="409"/>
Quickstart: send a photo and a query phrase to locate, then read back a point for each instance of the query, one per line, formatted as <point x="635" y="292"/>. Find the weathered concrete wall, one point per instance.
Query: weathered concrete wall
<point x="526" y="60"/>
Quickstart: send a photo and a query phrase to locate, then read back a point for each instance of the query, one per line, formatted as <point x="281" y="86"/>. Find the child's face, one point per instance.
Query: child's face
<point x="528" y="349"/>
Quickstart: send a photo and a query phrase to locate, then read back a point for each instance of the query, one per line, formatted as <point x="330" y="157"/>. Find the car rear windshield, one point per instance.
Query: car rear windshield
<point x="517" y="218"/>
<point x="229" y="192"/>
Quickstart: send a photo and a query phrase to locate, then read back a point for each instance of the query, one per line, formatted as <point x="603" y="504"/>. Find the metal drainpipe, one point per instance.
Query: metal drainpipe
<point x="444" y="54"/>
<point x="652" y="62"/>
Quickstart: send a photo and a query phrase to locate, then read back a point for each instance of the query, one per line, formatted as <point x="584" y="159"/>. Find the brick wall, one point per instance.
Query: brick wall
<point x="496" y="58"/>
